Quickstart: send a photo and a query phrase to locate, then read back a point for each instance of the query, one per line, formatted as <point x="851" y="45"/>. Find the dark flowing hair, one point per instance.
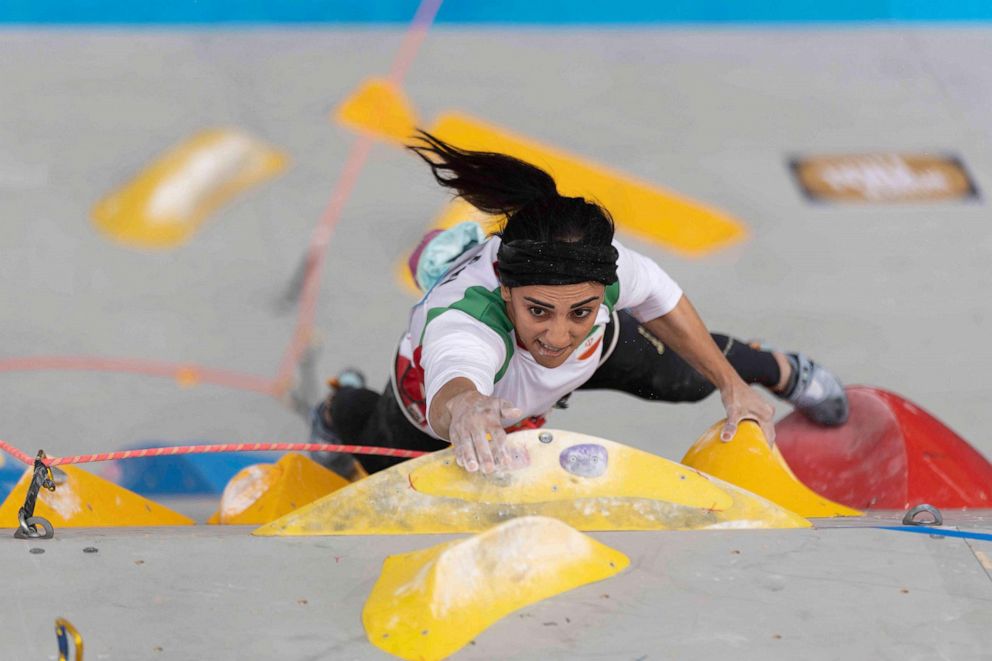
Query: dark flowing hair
<point x="522" y="193"/>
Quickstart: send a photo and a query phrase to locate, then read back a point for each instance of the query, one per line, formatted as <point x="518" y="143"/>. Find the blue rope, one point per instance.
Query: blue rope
<point x="932" y="530"/>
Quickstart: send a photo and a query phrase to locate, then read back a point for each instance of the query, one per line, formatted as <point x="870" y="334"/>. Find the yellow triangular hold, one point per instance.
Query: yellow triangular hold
<point x="748" y="462"/>
<point x="428" y="604"/>
<point x="82" y="499"/>
<point x="379" y="108"/>
<point x="587" y="482"/>
<point x="166" y="202"/>
<point x="264" y="492"/>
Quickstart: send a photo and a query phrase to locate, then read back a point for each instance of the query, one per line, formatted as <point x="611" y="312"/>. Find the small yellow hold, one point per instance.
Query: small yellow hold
<point x="379" y="107"/>
<point x="166" y="203"/>
<point x="589" y="483"/>
<point x="428" y="604"/>
<point x="264" y="492"/>
<point x="82" y="499"/>
<point x="748" y="462"/>
<point x="187" y="377"/>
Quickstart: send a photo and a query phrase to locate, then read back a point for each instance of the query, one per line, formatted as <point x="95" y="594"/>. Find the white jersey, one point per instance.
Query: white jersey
<point x="460" y="328"/>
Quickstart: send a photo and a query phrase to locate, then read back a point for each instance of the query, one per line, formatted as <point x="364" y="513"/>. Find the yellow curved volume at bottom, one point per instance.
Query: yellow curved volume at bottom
<point x="428" y="604"/>
<point x="748" y="462"/>
<point x="587" y="482"/>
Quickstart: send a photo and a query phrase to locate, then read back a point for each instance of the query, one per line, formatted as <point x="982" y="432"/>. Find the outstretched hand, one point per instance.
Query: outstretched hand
<point x="476" y="432"/>
<point x="743" y="403"/>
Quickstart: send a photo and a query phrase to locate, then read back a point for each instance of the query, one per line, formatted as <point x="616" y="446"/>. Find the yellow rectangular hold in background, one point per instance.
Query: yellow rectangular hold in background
<point x="165" y="204"/>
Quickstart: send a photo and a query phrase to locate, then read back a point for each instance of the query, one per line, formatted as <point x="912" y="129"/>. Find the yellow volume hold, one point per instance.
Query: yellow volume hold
<point x="589" y="483"/>
<point x="166" y="203"/>
<point x="264" y="492"/>
<point x="748" y="462"/>
<point x="82" y="499"/>
<point x="428" y="604"/>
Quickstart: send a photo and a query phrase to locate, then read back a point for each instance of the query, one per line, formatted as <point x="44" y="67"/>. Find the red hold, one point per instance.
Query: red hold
<point x="891" y="454"/>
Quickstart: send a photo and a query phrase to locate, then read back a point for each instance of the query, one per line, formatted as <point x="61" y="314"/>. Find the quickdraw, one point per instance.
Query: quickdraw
<point x="28" y="523"/>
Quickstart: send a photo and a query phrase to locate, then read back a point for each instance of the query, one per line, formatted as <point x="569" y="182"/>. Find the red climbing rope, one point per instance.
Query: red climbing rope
<point x="16" y="454"/>
<point x="184" y="373"/>
<point x="208" y="449"/>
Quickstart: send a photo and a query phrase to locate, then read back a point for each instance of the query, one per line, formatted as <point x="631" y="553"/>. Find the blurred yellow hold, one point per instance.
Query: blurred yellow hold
<point x="634" y="491"/>
<point x="166" y="203"/>
<point x="649" y="211"/>
<point x="187" y="377"/>
<point x="81" y="500"/>
<point x="429" y="604"/>
<point x="381" y="109"/>
<point x="264" y="492"/>
<point x="748" y="462"/>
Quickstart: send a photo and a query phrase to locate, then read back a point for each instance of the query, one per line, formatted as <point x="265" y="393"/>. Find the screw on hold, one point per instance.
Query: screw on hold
<point x="90" y="549"/>
<point x="911" y="514"/>
<point x="545" y="437"/>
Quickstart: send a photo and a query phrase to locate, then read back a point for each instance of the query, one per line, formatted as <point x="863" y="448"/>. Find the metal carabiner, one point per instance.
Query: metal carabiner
<point x="910" y="518"/>
<point x="63" y="628"/>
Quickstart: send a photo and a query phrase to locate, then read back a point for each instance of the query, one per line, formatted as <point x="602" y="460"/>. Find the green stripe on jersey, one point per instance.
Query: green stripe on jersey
<point x="611" y="295"/>
<point x="486" y="306"/>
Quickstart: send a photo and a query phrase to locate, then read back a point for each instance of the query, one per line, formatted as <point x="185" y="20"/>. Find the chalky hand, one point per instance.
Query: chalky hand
<point x="477" y="435"/>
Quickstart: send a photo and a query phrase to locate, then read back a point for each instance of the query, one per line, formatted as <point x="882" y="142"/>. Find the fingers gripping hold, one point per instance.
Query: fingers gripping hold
<point x="476" y="431"/>
<point x="745" y="404"/>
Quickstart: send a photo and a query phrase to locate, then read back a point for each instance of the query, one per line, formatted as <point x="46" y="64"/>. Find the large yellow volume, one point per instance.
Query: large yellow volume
<point x="263" y="492"/>
<point x="428" y="604"/>
<point x="82" y="499"/>
<point x="166" y="203"/>
<point x="587" y="482"/>
<point x="748" y="462"/>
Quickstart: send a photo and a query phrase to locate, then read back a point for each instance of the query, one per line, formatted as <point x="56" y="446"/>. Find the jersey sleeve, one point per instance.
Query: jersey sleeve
<point x="645" y="289"/>
<point x="456" y="345"/>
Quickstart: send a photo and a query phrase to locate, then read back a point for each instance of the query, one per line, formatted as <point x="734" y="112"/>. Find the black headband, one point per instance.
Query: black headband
<point x="524" y="262"/>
